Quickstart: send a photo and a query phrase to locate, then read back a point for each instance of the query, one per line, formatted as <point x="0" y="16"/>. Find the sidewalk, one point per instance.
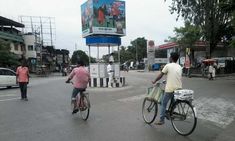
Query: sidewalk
<point x="218" y="75"/>
<point x="227" y="134"/>
<point x="192" y="75"/>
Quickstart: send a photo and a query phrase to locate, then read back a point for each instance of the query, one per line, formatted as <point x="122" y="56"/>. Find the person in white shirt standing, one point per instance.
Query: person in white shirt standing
<point x="174" y="82"/>
<point x="110" y="71"/>
<point x="211" y="72"/>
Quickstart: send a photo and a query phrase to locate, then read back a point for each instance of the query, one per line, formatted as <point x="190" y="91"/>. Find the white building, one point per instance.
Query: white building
<point x="32" y="49"/>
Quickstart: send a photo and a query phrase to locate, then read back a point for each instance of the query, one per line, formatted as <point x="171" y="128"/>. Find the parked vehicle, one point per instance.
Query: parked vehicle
<point x="7" y="78"/>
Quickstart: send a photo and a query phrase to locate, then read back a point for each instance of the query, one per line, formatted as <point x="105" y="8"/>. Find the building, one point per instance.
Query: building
<point x="62" y="59"/>
<point x="197" y="52"/>
<point x="33" y="46"/>
<point x="9" y="31"/>
<point x="30" y="46"/>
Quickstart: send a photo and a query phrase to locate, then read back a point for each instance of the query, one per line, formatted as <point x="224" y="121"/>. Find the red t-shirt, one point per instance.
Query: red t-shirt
<point x="22" y="73"/>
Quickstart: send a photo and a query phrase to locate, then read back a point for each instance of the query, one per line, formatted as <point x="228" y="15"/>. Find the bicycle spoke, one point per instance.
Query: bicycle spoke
<point x="149" y="111"/>
<point x="183" y="118"/>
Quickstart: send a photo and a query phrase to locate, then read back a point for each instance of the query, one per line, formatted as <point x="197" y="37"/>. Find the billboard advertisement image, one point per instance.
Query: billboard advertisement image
<point x="103" y="17"/>
<point x="87" y="17"/>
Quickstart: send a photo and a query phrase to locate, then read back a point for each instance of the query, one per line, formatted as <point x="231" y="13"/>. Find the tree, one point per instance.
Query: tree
<point x="139" y="45"/>
<point x="125" y="55"/>
<point x="129" y="53"/>
<point x="7" y="59"/>
<point x="186" y="36"/>
<point x="209" y="15"/>
<point x="79" y="54"/>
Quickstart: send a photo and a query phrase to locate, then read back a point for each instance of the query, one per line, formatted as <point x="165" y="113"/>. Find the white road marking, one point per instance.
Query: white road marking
<point x="10" y="99"/>
<point x="217" y="110"/>
<point x="8" y="95"/>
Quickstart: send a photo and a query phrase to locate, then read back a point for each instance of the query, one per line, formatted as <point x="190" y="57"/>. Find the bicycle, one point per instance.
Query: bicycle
<point x="180" y="112"/>
<point x="81" y="104"/>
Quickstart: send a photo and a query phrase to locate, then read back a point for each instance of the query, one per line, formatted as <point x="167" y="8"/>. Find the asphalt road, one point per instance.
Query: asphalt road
<point x="115" y="113"/>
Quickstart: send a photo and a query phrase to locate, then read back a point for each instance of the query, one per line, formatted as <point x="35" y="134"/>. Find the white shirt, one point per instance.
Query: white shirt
<point x="210" y="69"/>
<point x="109" y="68"/>
<point x="111" y="59"/>
<point x="174" y="77"/>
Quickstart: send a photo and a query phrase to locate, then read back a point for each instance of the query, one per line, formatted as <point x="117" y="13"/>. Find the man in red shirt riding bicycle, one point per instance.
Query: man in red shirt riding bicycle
<point x="81" y="77"/>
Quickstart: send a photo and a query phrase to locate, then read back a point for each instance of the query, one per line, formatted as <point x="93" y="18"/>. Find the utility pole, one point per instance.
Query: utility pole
<point x="136" y="52"/>
<point x="75" y="46"/>
<point x="51" y="33"/>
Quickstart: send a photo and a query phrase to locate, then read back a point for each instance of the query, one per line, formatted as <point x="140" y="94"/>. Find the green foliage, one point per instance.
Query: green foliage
<point x="79" y="54"/>
<point x="129" y="53"/>
<point x="139" y="44"/>
<point x="4" y="46"/>
<point x="212" y="16"/>
<point x="186" y="36"/>
<point x="125" y="55"/>
<point x="232" y="44"/>
<point x="7" y="59"/>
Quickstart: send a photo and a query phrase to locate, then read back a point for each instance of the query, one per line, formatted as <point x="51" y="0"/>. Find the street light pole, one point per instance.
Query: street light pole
<point x="136" y="53"/>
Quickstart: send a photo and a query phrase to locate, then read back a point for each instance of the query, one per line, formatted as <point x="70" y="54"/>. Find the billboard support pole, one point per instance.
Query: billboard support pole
<point x="89" y="57"/>
<point x="109" y="49"/>
<point x="98" y="52"/>
<point x="119" y="59"/>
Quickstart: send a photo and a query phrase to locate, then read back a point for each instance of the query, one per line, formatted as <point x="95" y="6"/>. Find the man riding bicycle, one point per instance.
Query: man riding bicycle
<point x="81" y="77"/>
<point x="174" y="82"/>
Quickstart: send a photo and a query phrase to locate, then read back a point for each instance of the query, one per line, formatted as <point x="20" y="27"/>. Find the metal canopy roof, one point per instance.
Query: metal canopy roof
<point x="8" y="22"/>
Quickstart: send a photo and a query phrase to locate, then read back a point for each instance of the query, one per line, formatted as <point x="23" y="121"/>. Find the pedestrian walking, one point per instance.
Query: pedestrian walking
<point x="22" y="77"/>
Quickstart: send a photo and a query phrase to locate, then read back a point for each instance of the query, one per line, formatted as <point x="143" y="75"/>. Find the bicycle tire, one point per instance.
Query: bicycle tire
<point x="84" y="111"/>
<point x="183" y="112"/>
<point x="148" y="109"/>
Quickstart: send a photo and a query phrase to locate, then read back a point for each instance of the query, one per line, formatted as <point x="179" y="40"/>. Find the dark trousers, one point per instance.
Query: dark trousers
<point x="23" y="89"/>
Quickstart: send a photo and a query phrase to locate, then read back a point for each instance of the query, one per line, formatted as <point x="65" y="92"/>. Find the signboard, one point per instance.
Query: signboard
<point x="98" y="70"/>
<point x="103" y="17"/>
<point x="187" y="62"/>
<point x="116" y="70"/>
<point x="150" y="52"/>
<point x="59" y="58"/>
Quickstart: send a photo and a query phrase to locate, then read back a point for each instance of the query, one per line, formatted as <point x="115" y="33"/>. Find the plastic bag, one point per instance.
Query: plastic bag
<point x="155" y="93"/>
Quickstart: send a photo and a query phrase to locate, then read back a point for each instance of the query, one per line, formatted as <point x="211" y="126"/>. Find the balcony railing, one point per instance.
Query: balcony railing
<point x="12" y="37"/>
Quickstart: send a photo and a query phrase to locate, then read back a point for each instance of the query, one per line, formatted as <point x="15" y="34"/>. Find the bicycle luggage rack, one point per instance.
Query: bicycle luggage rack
<point x="183" y="94"/>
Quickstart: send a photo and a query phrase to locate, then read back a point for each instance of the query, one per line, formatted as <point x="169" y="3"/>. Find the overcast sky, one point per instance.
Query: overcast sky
<point x="145" y="18"/>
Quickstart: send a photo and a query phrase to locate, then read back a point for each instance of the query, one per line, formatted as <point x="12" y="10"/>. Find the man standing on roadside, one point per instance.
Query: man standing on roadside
<point x="110" y="71"/>
<point x="22" y="77"/>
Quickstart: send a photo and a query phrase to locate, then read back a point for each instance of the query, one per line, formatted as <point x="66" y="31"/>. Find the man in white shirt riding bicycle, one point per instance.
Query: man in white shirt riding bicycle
<point x="174" y="82"/>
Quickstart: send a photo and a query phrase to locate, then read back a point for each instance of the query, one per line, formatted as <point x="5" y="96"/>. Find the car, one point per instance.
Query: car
<point x="7" y="78"/>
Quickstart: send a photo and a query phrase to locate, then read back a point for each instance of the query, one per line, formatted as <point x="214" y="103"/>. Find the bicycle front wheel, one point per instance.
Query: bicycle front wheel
<point x="183" y="118"/>
<point x="85" y="107"/>
<point x="149" y="110"/>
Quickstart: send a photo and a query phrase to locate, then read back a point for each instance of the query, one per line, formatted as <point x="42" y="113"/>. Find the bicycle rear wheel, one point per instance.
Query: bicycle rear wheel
<point x="183" y="118"/>
<point x="149" y="110"/>
<point x="85" y="107"/>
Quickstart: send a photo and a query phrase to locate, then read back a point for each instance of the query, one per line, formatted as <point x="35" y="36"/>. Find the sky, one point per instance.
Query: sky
<point x="150" y="19"/>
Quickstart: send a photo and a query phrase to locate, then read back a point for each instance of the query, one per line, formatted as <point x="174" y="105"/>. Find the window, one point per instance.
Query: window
<point x="16" y="47"/>
<point x="6" y="72"/>
<point x="22" y="48"/>
<point x="30" y="47"/>
<point x="1" y="72"/>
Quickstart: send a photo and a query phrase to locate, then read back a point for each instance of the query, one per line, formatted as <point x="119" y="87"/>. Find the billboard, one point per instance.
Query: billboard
<point x="103" y="17"/>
